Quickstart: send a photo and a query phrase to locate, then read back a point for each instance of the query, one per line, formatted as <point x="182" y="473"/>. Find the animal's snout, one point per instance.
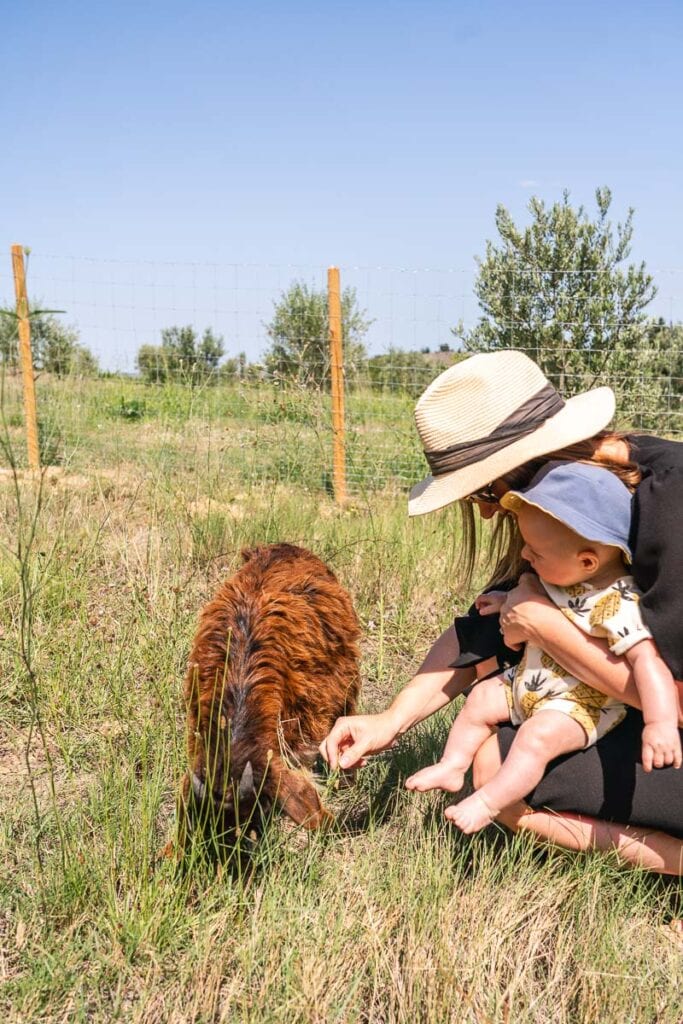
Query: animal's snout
<point x="245" y="790"/>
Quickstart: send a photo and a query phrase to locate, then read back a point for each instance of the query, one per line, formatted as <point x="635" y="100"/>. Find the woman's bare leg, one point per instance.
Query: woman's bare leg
<point x="646" y="848"/>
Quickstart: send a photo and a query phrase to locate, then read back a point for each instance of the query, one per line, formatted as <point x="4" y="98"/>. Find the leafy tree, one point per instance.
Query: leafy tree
<point x="665" y="344"/>
<point x="559" y="290"/>
<point x="238" y="368"/>
<point x="181" y="356"/>
<point x="210" y="351"/>
<point x="54" y="346"/>
<point x="151" y="364"/>
<point x="59" y="352"/>
<point x="9" y="338"/>
<point x="299" y="333"/>
<point x="666" y="340"/>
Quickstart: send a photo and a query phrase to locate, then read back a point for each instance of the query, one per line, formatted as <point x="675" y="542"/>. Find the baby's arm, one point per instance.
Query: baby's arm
<point x="657" y="690"/>
<point x="485" y="707"/>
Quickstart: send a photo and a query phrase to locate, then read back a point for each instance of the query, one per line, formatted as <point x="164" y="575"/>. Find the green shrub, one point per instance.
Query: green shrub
<point x="128" y="409"/>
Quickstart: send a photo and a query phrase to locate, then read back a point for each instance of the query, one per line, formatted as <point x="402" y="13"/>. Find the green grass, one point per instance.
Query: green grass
<point x="392" y="917"/>
<point x="258" y="432"/>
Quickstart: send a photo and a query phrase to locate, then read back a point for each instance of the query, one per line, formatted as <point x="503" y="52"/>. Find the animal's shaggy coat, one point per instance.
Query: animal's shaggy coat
<point x="274" y="664"/>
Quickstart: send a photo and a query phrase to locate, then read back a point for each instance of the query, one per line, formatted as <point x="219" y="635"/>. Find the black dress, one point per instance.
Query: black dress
<point x="607" y="781"/>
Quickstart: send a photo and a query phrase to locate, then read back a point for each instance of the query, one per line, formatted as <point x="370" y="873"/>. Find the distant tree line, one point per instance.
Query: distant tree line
<point x="559" y="288"/>
<point x="298" y="353"/>
<point x="182" y="356"/>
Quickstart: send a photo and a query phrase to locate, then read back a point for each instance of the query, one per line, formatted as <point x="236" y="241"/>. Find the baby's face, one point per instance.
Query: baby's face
<point x="552" y="549"/>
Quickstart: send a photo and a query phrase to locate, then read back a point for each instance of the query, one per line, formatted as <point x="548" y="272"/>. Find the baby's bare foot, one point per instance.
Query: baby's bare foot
<point x="437" y="776"/>
<point x="472" y="814"/>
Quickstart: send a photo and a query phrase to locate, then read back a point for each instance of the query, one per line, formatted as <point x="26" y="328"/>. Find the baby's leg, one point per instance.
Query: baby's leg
<point x="484" y="708"/>
<point x="544" y="736"/>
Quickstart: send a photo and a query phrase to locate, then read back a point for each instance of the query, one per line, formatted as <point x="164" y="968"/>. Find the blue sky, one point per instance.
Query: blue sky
<point x="171" y="160"/>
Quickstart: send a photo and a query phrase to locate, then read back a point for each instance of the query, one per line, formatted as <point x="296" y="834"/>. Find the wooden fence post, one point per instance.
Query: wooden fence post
<point x="334" y="315"/>
<point x="26" y="357"/>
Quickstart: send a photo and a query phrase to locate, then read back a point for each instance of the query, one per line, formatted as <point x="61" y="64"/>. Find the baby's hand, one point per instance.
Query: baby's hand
<point x="491" y="603"/>
<point x="661" y="746"/>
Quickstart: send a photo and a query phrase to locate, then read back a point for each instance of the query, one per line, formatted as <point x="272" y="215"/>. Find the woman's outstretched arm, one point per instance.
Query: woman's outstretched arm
<point x="529" y="615"/>
<point x="433" y="686"/>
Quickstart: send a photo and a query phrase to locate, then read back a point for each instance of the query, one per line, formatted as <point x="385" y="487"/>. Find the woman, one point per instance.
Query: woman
<point x="487" y="425"/>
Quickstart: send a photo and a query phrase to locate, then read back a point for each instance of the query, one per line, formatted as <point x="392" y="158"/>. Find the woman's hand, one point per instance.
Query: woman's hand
<point x="352" y="738"/>
<point x="517" y="612"/>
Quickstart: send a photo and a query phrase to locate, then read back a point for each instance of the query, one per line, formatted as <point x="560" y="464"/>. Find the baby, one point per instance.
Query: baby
<point x="575" y="520"/>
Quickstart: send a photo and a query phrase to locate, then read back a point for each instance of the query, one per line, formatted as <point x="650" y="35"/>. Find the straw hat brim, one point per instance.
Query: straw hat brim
<point x="581" y="417"/>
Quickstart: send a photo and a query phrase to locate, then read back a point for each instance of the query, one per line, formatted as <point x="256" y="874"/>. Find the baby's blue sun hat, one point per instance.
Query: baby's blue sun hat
<point x="588" y="499"/>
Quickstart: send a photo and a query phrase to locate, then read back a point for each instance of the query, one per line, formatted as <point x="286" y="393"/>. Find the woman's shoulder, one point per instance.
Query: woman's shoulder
<point x="658" y="454"/>
<point x="656" y="541"/>
<point x="661" y="489"/>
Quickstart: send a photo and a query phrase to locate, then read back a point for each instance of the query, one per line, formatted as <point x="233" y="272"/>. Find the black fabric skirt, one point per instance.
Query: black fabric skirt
<point x="607" y="781"/>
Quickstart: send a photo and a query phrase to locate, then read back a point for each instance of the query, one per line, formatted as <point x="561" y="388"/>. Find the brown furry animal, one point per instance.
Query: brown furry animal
<point x="274" y="664"/>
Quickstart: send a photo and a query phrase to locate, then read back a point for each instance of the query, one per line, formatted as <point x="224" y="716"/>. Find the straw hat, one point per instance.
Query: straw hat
<point x="491" y="413"/>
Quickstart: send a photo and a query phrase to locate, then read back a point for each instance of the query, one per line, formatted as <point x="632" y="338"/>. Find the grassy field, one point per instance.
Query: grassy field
<point x="260" y="433"/>
<point x="393" y="916"/>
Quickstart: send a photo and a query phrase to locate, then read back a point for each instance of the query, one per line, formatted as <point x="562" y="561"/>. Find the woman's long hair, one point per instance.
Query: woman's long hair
<point x="504" y="560"/>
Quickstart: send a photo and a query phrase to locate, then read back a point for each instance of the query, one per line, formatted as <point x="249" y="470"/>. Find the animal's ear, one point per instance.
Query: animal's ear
<point x="198" y="787"/>
<point x="248" y="553"/>
<point x="297" y="796"/>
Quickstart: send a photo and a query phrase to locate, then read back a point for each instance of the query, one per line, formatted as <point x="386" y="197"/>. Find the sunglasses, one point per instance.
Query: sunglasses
<point x="486" y="495"/>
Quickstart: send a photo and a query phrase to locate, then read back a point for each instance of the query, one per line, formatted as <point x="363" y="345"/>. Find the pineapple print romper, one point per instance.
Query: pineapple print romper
<point x="539" y="683"/>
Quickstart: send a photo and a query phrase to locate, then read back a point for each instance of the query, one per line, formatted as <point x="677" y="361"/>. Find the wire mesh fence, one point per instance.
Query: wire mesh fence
<point x="231" y="364"/>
